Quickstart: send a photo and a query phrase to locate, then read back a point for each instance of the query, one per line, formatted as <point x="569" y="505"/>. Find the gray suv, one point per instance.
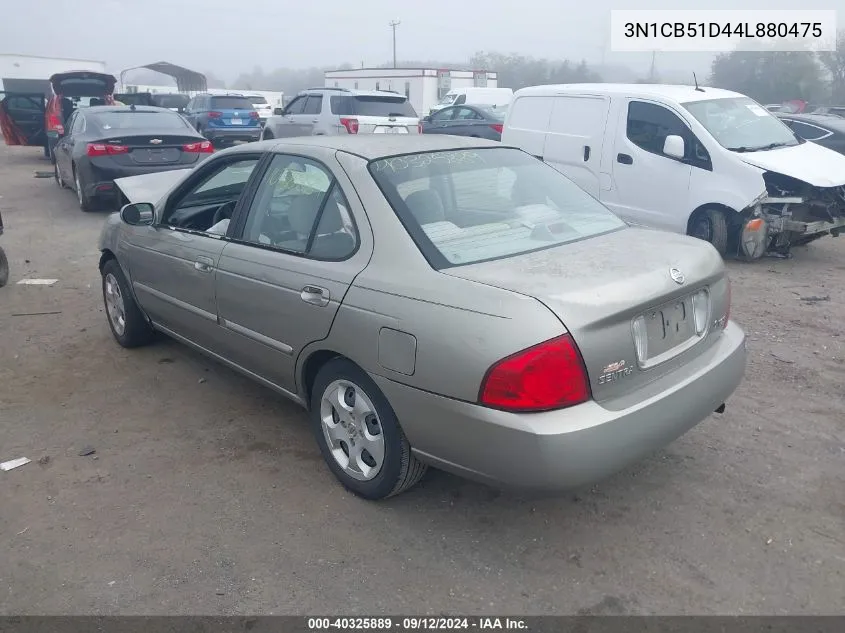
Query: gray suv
<point x="328" y="111"/>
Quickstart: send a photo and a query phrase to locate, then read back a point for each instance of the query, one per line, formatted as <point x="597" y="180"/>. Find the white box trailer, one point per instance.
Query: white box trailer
<point x="424" y="87"/>
<point x="31" y="73"/>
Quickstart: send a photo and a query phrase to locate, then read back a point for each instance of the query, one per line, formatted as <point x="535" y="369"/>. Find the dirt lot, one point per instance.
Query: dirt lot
<point x="207" y="494"/>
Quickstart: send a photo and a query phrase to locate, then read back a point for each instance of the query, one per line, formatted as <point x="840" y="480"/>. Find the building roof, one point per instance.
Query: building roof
<point x="678" y="93"/>
<point x="186" y="80"/>
<point x="403" y="68"/>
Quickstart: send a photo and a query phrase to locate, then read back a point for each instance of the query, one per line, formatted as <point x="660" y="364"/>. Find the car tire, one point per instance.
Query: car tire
<point x="86" y="203"/>
<point x="127" y="323"/>
<point x="4" y="268"/>
<point x="711" y="225"/>
<point x="340" y="388"/>
<point x="58" y="176"/>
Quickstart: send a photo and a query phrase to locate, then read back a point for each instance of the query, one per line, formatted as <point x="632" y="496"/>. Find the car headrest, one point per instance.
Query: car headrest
<point x="303" y="211"/>
<point x="426" y="206"/>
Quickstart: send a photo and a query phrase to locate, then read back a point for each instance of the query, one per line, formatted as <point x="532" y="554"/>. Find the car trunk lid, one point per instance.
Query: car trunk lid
<point x="155" y="149"/>
<point x="377" y="113"/>
<point x="601" y="286"/>
<point x="83" y="84"/>
<point x="232" y="112"/>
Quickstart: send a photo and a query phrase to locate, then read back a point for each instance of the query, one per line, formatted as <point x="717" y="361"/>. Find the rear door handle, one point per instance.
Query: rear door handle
<point x="315" y="295"/>
<point x="315" y="120"/>
<point x="625" y="159"/>
<point x="204" y="264"/>
<point x="586" y="153"/>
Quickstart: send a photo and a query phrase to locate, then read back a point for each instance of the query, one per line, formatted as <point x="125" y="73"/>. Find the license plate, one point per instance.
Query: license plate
<point x="390" y="130"/>
<point x="669" y="326"/>
<point x="235" y="121"/>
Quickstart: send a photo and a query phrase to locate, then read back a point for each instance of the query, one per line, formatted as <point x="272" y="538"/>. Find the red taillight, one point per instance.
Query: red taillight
<point x="214" y="115"/>
<point x="419" y="128"/>
<point x="203" y="147"/>
<point x="498" y="127"/>
<point x="101" y="149"/>
<point x="351" y="125"/>
<point x="548" y="376"/>
<point x="55" y="123"/>
<point x="253" y="115"/>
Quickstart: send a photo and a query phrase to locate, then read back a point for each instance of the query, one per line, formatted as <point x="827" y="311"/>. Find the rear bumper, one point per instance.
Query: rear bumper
<point x="565" y="449"/>
<point x="251" y="133"/>
<point x="99" y="180"/>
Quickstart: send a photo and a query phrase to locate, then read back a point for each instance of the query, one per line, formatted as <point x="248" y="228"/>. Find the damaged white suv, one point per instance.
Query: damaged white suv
<point x="707" y="162"/>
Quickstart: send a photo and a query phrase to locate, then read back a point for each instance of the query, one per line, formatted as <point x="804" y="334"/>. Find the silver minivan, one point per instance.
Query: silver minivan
<point x="328" y="111"/>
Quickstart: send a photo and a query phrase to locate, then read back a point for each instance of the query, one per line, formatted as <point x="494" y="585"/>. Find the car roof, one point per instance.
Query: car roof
<point x="671" y="92"/>
<point x="375" y="146"/>
<point x="830" y="121"/>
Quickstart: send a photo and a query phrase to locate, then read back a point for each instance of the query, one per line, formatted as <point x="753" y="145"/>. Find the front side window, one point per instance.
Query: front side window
<point x="446" y="114"/>
<point x="213" y="199"/>
<point x="296" y="106"/>
<point x="467" y="206"/>
<point x="649" y="124"/>
<point x="299" y="208"/>
<point x="314" y="105"/>
<point x="741" y="124"/>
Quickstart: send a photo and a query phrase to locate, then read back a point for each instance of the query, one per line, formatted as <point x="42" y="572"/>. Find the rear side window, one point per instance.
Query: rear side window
<point x="128" y="120"/>
<point x="348" y="105"/>
<point x="231" y="103"/>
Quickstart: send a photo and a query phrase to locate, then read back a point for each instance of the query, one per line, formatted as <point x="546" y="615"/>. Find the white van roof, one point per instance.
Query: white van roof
<point x="670" y="92"/>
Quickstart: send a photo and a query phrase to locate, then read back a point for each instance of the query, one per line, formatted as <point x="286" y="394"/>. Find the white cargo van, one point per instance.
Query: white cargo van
<point x="710" y="163"/>
<point x="499" y="97"/>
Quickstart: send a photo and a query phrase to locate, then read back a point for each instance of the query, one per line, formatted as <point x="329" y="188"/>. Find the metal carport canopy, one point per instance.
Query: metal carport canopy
<point x="186" y="80"/>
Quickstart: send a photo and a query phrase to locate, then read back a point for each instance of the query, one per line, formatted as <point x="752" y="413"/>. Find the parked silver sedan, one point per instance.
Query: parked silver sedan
<point x="439" y="301"/>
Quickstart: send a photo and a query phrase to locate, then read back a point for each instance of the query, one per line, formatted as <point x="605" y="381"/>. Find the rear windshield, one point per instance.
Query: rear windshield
<point x="128" y="120"/>
<point x="257" y="100"/>
<point x="171" y="101"/>
<point x="231" y="103"/>
<point x="372" y="106"/>
<point x="82" y="88"/>
<point x="468" y="206"/>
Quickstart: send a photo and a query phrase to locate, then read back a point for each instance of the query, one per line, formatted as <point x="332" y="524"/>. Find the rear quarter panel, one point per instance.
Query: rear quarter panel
<point x="459" y="328"/>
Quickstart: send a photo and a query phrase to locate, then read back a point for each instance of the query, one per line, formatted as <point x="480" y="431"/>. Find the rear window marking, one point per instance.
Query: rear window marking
<point x="451" y="157"/>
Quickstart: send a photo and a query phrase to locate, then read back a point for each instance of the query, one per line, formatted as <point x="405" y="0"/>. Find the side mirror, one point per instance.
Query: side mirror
<point x="674" y="146"/>
<point x="277" y="112"/>
<point x="427" y="118"/>
<point x="138" y="214"/>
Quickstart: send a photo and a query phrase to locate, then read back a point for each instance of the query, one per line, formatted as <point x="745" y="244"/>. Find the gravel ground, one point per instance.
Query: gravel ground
<point x="207" y="494"/>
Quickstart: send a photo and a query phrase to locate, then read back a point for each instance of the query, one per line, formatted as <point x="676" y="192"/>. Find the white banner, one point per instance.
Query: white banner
<point x="722" y="31"/>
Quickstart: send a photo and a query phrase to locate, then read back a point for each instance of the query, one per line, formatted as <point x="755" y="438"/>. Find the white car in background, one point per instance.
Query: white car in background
<point x="261" y="106"/>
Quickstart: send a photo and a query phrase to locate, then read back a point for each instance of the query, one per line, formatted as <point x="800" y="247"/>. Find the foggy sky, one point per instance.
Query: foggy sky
<point x="227" y="37"/>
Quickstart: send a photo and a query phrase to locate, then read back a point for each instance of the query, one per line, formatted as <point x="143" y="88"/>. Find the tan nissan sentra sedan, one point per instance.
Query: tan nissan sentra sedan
<point x="439" y="301"/>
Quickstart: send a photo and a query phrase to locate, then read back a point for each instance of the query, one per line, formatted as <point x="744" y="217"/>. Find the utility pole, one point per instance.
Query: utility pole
<point x="393" y="25"/>
<point x="651" y="74"/>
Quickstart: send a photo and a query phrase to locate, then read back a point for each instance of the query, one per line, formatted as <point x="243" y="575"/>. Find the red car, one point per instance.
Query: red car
<point x="32" y="119"/>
